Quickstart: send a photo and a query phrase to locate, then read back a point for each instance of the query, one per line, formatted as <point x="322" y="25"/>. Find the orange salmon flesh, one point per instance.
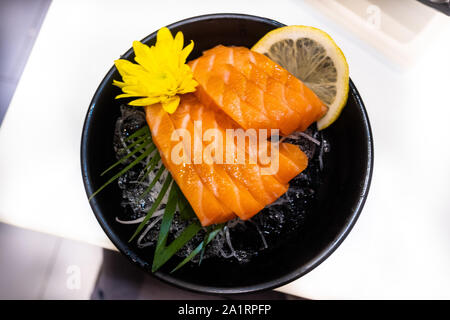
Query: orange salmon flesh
<point x="255" y="91"/>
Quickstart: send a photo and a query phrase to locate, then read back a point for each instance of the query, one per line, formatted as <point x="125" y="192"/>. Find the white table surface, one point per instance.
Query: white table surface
<point x="400" y="246"/>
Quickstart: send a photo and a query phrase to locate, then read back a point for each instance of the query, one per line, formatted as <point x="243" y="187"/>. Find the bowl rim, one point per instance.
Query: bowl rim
<point x="125" y="249"/>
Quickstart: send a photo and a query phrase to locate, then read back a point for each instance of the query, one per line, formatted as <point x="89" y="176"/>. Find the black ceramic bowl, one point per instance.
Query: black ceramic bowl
<point x="347" y="173"/>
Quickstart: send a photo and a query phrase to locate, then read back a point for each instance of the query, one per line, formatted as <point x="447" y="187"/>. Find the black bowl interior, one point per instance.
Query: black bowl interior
<point x="348" y="168"/>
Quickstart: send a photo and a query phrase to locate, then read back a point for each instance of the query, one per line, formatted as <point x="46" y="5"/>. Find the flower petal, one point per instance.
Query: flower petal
<point x="186" y="52"/>
<point x="179" y="42"/>
<point x="163" y="37"/>
<point x="171" y="104"/>
<point x="140" y="49"/>
<point x="119" y="84"/>
<point x="125" y="95"/>
<point x="144" y="102"/>
<point x="126" y="67"/>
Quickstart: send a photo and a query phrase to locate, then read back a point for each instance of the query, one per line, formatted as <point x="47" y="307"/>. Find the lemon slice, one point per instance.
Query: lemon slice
<point x="312" y="56"/>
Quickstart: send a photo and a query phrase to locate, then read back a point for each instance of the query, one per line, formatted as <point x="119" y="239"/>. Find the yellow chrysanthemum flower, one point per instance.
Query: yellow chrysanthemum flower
<point x="161" y="72"/>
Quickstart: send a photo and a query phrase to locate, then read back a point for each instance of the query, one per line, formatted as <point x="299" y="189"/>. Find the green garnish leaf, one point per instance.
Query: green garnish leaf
<point x="185" y="209"/>
<point x="204" y="243"/>
<point x="139" y="140"/>
<point x="137" y="149"/>
<point x="145" y="130"/>
<point x="154" y="181"/>
<point x="150" y="166"/>
<point x="210" y="235"/>
<point x="155" y="206"/>
<point x="169" y="212"/>
<point x="165" y="254"/>
<point x="123" y="171"/>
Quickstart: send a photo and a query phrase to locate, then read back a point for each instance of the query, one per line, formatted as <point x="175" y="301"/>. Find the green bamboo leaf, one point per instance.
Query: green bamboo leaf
<point x="201" y="247"/>
<point x="137" y="149"/>
<point x="184" y="208"/>
<point x="154" y="181"/>
<point x="169" y="212"/>
<point x="145" y="130"/>
<point x="150" y="166"/>
<point x="123" y="171"/>
<point x="165" y="254"/>
<point x="138" y="140"/>
<point x="155" y="206"/>
<point x="204" y="243"/>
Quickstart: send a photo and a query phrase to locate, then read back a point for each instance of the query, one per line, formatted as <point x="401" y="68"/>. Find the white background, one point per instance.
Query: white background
<point x="400" y="246"/>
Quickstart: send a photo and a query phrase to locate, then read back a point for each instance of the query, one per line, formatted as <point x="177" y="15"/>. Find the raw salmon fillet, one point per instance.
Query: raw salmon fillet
<point x="264" y="188"/>
<point x="205" y="205"/>
<point x="255" y="91"/>
<point x="291" y="159"/>
<point x="230" y="192"/>
<point x="217" y="191"/>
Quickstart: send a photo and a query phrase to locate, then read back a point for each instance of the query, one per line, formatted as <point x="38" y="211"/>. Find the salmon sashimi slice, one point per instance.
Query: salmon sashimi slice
<point x="276" y="112"/>
<point x="264" y="188"/>
<point x="297" y="106"/>
<point x="232" y="194"/>
<point x="207" y="208"/>
<point x="292" y="162"/>
<point x="259" y="89"/>
<point x="291" y="159"/>
<point x="224" y="88"/>
<point x="272" y="77"/>
<point x="218" y="93"/>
